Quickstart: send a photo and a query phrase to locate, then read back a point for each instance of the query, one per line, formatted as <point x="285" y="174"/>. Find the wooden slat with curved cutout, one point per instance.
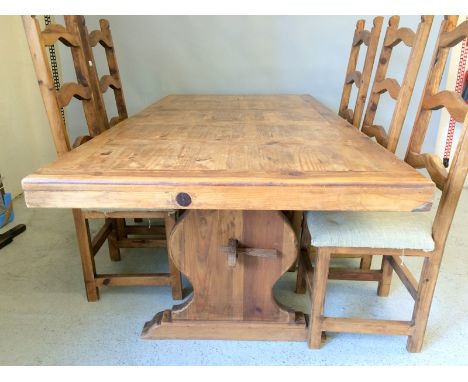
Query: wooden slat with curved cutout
<point x="107" y="81"/>
<point x="403" y="34"/>
<point x="378" y="132"/>
<point x="432" y="164"/>
<point x="354" y="77"/>
<point x="347" y="114"/>
<point x="455" y="36"/>
<point x="114" y="121"/>
<point x="389" y="84"/>
<point x="451" y="100"/>
<point x="55" y="32"/>
<point x="101" y="37"/>
<point x="81" y="139"/>
<point x="362" y="37"/>
<point x="70" y="90"/>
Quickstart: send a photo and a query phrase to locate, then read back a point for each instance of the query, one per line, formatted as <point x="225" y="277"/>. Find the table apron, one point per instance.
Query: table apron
<point x="375" y="197"/>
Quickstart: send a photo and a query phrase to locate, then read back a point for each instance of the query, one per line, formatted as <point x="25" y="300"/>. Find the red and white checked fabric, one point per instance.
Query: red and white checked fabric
<point x="458" y="88"/>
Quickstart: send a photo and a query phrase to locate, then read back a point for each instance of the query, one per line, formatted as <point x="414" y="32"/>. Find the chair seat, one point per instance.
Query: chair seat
<point x="394" y="230"/>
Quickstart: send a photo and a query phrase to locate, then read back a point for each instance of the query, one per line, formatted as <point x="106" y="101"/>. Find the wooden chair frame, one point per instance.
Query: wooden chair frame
<point x="360" y="79"/>
<point x="400" y="93"/>
<point x="450" y="183"/>
<point x="88" y="90"/>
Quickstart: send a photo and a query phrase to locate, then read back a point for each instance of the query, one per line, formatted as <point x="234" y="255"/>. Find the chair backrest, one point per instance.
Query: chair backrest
<point x="400" y="93"/>
<point x="98" y="100"/>
<point x="450" y="183"/>
<point x="112" y="80"/>
<point x="359" y="79"/>
<point x="55" y="100"/>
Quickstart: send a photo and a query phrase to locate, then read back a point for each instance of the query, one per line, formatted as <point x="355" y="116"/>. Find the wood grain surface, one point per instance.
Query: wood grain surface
<point x="269" y="152"/>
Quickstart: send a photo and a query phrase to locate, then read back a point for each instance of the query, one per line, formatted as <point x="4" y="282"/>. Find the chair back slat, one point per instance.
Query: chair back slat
<point x="452" y="101"/>
<point x="55" y="32"/>
<point x="362" y="36"/>
<point x="400" y="93"/>
<point x="107" y="81"/>
<point x="396" y="35"/>
<point x="451" y="183"/>
<point x="354" y="76"/>
<point x="453" y="37"/>
<point x="389" y="85"/>
<point x="70" y="90"/>
<point x="99" y="36"/>
<point x="433" y="164"/>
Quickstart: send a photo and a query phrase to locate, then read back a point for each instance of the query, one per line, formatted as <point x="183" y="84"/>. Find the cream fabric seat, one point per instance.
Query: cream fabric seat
<point x="397" y="230"/>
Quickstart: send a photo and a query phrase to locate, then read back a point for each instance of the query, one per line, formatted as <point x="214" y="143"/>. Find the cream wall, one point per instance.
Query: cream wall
<point x="25" y="140"/>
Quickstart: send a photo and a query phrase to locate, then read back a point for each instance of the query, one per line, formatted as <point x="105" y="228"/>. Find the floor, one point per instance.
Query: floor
<point x="46" y="320"/>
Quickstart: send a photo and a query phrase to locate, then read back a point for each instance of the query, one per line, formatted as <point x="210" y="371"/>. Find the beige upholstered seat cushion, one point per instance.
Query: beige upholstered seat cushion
<point x="399" y="230"/>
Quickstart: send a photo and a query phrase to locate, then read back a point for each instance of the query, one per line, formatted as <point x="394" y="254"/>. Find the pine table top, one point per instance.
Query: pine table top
<point x="263" y="152"/>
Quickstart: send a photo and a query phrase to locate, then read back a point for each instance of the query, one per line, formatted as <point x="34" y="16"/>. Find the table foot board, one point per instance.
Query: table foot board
<point x="162" y="326"/>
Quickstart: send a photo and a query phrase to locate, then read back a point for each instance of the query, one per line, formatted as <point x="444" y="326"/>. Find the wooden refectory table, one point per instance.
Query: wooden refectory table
<point x="234" y="162"/>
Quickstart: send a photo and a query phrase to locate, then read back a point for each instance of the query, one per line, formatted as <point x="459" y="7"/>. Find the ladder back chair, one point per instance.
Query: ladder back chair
<point x="361" y="80"/>
<point x="400" y="93"/>
<point x="353" y="76"/>
<point x="394" y="235"/>
<point x="85" y="89"/>
<point x="112" y="80"/>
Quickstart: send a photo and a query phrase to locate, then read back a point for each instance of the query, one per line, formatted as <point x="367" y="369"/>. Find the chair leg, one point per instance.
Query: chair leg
<point x="427" y="283"/>
<point x="366" y="262"/>
<point x="121" y="226"/>
<point x="176" y="282"/>
<point x="114" y="251"/>
<point x="383" y="289"/>
<point x="296" y="222"/>
<point x="87" y="259"/>
<point x="300" y="278"/>
<point x="319" y="286"/>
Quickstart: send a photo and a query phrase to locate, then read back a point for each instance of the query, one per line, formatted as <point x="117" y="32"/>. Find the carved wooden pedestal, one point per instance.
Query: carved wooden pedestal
<point x="232" y="259"/>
